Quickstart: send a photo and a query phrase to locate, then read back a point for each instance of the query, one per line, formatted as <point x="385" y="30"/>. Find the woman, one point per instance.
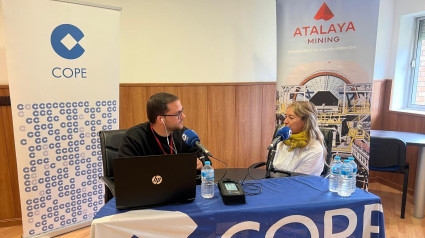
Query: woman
<point x="304" y="152"/>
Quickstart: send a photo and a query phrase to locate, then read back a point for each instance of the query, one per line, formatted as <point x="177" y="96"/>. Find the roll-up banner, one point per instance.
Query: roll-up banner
<point x="326" y="54"/>
<point x="63" y="71"/>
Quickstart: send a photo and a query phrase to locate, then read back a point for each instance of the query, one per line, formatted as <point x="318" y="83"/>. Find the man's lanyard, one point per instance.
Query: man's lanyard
<point x="159" y="143"/>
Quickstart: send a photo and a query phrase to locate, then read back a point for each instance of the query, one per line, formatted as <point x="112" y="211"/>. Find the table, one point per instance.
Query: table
<point x="298" y="206"/>
<point x="412" y="139"/>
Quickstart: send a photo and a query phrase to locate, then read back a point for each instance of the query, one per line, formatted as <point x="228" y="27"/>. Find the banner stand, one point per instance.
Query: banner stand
<point x="58" y="57"/>
<point x="326" y="56"/>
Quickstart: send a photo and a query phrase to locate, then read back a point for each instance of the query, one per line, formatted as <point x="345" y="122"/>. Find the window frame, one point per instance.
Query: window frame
<point x="419" y="24"/>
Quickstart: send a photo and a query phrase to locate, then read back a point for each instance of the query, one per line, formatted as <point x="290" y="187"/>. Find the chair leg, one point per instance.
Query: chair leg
<point x="108" y="194"/>
<point x="403" y="201"/>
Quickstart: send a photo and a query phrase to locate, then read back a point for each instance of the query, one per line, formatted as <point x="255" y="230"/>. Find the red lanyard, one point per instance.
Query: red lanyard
<point x="159" y="143"/>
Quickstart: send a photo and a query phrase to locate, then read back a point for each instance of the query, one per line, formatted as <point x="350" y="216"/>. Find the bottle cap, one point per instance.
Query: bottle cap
<point x="337" y="158"/>
<point x="346" y="161"/>
<point x="350" y="158"/>
<point x="207" y="162"/>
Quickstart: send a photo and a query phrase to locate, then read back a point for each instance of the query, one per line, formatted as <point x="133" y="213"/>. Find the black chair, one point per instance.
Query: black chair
<point x="272" y="173"/>
<point x="389" y="155"/>
<point x="109" y="144"/>
<point x="328" y="139"/>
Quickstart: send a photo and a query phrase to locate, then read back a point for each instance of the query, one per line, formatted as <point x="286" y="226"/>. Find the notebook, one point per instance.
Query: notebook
<point x="148" y="181"/>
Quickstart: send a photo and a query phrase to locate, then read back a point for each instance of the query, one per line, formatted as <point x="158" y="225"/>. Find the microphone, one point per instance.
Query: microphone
<point x="192" y="139"/>
<point x="282" y="134"/>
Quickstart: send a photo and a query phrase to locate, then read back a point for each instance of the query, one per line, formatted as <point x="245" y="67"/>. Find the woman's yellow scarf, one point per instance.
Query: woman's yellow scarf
<point x="299" y="140"/>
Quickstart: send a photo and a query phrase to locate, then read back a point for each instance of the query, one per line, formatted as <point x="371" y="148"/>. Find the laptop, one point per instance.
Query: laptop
<point x="148" y="181"/>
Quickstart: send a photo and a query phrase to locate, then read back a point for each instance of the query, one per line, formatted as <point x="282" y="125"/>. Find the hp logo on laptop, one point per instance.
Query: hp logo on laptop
<point x="157" y="179"/>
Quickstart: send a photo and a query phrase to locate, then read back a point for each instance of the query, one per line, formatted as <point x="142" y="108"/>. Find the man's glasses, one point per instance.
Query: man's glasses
<point x="178" y="115"/>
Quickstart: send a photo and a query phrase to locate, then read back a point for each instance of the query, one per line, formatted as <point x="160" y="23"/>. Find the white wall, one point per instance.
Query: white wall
<point x="193" y="41"/>
<point x="402" y="28"/>
<point x="399" y="70"/>
<point x="383" y="39"/>
<point x="394" y="39"/>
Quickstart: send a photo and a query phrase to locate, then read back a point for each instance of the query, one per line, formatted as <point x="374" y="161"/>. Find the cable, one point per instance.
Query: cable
<point x="225" y="172"/>
<point x="249" y="173"/>
<point x="251" y="188"/>
<point x="168" y="142"/>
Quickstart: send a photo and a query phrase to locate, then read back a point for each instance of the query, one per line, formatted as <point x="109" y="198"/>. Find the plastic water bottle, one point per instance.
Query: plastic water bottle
<point x="344" y="184"/>
<point x="354" y="174"/>
<point x="207" y="176"/>
<point x="334" y="174"/>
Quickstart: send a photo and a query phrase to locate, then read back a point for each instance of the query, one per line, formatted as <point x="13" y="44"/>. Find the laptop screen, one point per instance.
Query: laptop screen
<point x="148" y="181"/>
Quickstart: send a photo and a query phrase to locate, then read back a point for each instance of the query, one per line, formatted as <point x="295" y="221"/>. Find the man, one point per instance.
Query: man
<point x="162" y="134"/>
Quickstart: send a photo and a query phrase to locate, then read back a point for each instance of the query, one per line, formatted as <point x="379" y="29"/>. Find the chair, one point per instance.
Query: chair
<point x="389" y="155"/>
<point x="109" y="144"/>
<point x="272" y="173"/>
<point x="328" y="139"/>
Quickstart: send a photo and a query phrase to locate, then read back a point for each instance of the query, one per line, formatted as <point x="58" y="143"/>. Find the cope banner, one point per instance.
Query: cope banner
<point x="63" y="71"/>
<point x="326" y="55"/>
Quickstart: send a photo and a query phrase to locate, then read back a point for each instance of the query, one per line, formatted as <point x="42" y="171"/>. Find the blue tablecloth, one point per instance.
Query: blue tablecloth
<point x="296" y="206"/>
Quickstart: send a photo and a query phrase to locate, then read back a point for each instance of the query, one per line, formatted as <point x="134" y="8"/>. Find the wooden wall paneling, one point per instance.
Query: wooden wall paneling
<point x="386" y="101"/>
<point x="6" y="195"/>
<point x="10" y="144"/>
<point x="378" y="91"/>
<point x="268" y="118"/>
<point x="133" y="99"/>
<point x="4" y="90"/>
<point x="195" y="100"/>
<point x="408" y="123"/>
<point x="221" y="124"/>
<point x="248" y="125"/>
<point x="10" y="210"/>
<point x="132" y="107"/>
<point x="390" y="118"/>
<point x="151" y="90"/>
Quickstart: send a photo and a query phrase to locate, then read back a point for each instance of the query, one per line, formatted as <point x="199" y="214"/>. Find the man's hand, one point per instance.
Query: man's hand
<point x="199" y="164"/>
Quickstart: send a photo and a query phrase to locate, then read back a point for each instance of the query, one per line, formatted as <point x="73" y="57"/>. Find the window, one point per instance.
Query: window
<point x="417" y="99"/>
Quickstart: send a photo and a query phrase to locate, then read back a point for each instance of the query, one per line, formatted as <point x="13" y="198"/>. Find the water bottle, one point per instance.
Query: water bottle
<point x="344" y="184"/>
<point x="354" y="174"/>
<point x="207" y="176"/>
<point x="334" y="174"/>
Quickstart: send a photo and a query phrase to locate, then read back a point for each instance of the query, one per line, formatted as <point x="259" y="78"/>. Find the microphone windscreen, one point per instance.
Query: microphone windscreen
<point x="285" y="132"/>
<point x="190" y="137"/>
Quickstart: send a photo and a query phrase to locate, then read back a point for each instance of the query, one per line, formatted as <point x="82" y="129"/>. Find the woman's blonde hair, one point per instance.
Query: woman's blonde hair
<point x="308" y="113"/>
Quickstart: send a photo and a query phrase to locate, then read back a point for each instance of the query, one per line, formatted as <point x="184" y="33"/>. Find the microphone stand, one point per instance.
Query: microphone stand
<point x="270" y="167"/>
<point x="270" y="158"/>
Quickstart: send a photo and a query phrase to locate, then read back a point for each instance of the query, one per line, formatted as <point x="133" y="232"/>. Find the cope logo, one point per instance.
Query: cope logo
<point x="64" y="40"/>
<point x="157" y="179"/>
<point x="185" y="138"/>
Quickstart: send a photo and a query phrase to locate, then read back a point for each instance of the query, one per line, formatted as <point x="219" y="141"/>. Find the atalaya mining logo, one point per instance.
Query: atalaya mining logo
<point x="324" y="31"/>
<point x="324" y="13"/>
